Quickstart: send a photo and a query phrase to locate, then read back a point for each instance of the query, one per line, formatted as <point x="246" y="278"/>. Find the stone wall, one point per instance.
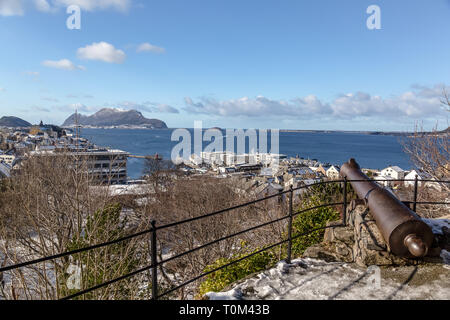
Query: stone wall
<point x="361" y="242"/>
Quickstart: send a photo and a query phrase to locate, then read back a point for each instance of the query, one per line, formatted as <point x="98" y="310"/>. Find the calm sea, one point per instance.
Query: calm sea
<point x="370" y="151"/>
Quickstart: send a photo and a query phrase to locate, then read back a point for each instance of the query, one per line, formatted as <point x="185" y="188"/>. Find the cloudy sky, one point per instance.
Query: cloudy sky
<point x="286" y="64"/>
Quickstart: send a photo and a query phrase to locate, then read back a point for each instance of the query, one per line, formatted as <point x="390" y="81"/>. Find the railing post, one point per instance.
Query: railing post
<point x="291" y="213"/>
<point x="416" y="184"/>
<point x="344" y="206"/>
<point x="280" y="197"/>
<point x="154" y="262"/>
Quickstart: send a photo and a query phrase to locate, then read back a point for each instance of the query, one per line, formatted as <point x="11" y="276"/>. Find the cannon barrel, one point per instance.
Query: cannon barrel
<point x="404" y="232"/>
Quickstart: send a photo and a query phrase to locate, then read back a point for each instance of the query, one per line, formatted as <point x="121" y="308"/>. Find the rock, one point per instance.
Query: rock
<point x="330" y="252"/>
<point x="13" y="122"/>
<point x="114" y="117"/>
<point x="344" y="234"/>
<point x="319" y="251"/>
<point x="338" y="233"/>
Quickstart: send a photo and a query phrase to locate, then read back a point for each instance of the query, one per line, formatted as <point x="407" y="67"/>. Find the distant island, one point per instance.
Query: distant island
<point x="111" y="117"/>
<point x="379" y="133"/>
<point x="14" y="122"/>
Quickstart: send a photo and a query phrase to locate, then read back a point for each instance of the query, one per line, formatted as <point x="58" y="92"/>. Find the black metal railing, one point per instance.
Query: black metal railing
<point x="153" y="231"/>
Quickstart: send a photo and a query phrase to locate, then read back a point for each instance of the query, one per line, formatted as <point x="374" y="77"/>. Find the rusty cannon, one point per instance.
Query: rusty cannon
<point x="404" y="232"/>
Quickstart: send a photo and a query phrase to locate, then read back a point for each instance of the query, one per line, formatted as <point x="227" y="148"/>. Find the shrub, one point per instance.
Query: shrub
<point x="316" y="218"/>
<point x="218" y="280"/>
<point x="308" y="221"/>
<point x="106" y="263"/>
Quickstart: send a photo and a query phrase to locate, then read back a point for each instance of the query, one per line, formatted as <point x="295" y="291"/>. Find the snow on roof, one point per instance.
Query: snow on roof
<point x="395" y="168"/>
<point x="420" y="175"/>
<point x="383" y="178"/>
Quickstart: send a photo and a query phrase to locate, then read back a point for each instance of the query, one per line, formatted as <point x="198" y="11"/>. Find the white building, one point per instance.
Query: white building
<point x="7" y="158"/>
<point x="225" y="170"/>
<point x="394" y="172"/>
<point x="421" y="176"/>
<point x="333" y="172"/>
<point x="388" y="180"/>
<point x="229" y="158"/>
<point x="108" y="166"/>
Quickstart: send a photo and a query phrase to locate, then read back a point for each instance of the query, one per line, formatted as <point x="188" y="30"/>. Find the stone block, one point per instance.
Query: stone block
<point x="346" y="235"/>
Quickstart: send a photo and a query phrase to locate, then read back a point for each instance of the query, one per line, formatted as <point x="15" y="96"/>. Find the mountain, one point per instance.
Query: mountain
<point x="13" y="122"/>
<point x="108" y="117"/>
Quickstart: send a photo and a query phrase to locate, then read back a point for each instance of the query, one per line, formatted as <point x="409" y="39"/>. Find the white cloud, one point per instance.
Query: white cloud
<point x="102" y="51"/>
<point x="2" y="89"/>
<point x="420" y="102"/>
<point x="417" y="103"/>
<point x="159" y="107"/>
<point x="76" y="106"/>
<point x="258" y="107"/>
<point x="165" y="108"/>
<point x="43" y="5"/>
<point x="63" y="64"/>
<point x="11" y="8"/>
<point x="147" y="47"/>
<point x="145" y="106"/>
<point x="16" y="7"/>
<point x="49" y="99"/>
<point x="92" y="5"/>
<point x="126" y="105"/>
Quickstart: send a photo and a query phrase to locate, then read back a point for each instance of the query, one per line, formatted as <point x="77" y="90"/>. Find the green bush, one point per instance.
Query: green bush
<point x="218" y="280"/>
<point x="314" y="219"/>
<point x="308" y="221"/>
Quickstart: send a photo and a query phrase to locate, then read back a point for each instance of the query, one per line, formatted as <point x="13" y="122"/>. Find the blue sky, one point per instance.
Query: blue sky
<point x="244" y="64"/>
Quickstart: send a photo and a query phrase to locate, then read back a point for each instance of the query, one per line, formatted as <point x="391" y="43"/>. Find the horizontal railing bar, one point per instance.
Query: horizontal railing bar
<point x="220" y="211"/>
<point x="437" y="203"/>
<point x="317" y="207"/>
<point x="201" y="276"/>
<point x="314" y="230"/>
<point x="107" y="283"/>
<point x="385" y="180"/>
<point x="69" y="253"/>
<point x="222" y="267"/>
<point x="316" y="184"/>
<point x="222" y="239"/>
<point x="24" y="264"/>
<point x="248" y="256"/>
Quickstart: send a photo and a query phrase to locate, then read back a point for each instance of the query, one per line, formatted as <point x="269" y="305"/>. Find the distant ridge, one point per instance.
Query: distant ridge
<point x="110" y="117"/>
<point x="13" y="122"/>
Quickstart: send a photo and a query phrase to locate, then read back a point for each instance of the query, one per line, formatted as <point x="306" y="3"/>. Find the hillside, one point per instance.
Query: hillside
<point x="108" y="117"/>
<point x="13" y="122"/>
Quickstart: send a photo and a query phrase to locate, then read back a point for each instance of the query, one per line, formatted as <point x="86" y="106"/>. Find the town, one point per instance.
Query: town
<point x="254" y="173"/>
<point x="108" y="166"/>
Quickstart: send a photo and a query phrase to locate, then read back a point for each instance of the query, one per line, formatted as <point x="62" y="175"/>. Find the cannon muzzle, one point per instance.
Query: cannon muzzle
<point x="402" y="229"/>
